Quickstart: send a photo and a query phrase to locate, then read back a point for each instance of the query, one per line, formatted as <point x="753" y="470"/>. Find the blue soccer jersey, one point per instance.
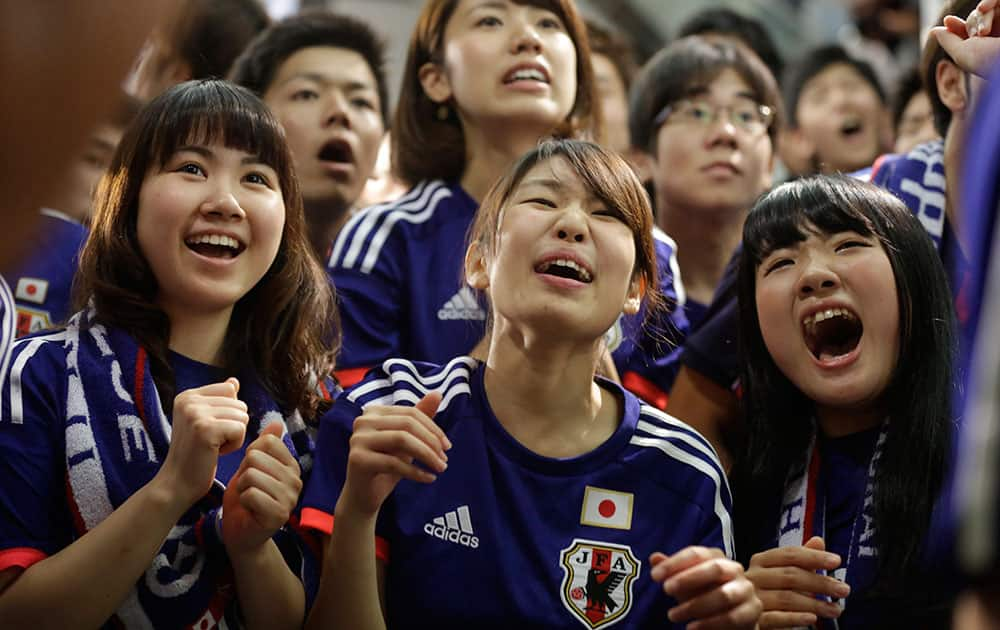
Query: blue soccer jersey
<point x="43" y="281"/>
<point x="508" y="538"/>
<point x="398" y="270"/>
<point x="77" y="440"/>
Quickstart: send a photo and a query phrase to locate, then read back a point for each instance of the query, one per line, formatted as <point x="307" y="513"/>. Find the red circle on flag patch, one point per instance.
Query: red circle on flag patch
<point x="606" y="508"/>
<point x="31" y="289"/>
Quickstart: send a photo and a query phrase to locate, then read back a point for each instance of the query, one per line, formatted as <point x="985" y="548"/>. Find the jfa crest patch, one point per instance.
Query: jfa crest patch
<point x="597" y="587"/>
<point x="31" y="320"/>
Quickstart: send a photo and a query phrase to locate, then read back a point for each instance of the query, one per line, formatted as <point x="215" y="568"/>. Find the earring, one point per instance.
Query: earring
<point x="442" y="112"/>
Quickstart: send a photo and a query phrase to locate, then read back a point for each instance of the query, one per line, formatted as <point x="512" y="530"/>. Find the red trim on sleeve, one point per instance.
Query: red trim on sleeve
<point x="316" y="519"/>
<point x="382" y="549"/>
<point x="323" y="522"/>
<point x="350" y="376"/>
<point x="877" y="165"/>
<point x="645" y="389"/>
<point x="22" y="557"/>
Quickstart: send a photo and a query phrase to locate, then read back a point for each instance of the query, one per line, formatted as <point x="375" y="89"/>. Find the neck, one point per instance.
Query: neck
<point x="545" y="396"/>
<point x="705" y="241"/>
<point x="953" y="151"/>
<point x="488" y="154"/>
<point x="838" y="422"/>
<point x="199" y="335"/>
<point x="324" y="219"/>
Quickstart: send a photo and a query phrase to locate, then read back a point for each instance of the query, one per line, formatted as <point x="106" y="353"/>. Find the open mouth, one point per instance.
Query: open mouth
<point x="832" y="333"/>
<point x="526" y="74"/>
<point x="215" y="245"/>
<point x="337" y="152"/>
<point x="851" y="127"/>
<point x="565" y="268"/>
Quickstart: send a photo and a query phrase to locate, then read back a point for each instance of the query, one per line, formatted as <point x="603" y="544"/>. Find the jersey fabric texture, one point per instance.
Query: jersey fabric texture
<point x="81" y="431"/>
<point x="508" y="538"/>
<point x="398" y="270"/>
<point x="42" y="283"/>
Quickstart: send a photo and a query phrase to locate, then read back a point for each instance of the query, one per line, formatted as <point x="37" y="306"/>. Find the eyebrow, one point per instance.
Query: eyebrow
<point x="551" y="183"/>
<point x="209" y="154"/>
<point x="490" y="4"/>
<point x="318" y="77"/>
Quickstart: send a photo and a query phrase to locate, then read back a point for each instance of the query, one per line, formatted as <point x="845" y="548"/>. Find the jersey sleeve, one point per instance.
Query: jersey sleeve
<point x="712" y="350"/>
<point x="367" y="278"/>
<point x="34" y="517"/>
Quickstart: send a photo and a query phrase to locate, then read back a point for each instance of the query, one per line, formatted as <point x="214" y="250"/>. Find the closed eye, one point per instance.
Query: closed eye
<point x="611" y="214"/>
<point x="777" y="264"/>
<point x="542" y="201"/>
<point x="305" y="94"/>
<point x="363" y="103"/>
<point x="852" y="243"/>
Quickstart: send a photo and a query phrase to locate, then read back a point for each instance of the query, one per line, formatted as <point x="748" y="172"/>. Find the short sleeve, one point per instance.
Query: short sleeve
<point x="35" y="520"/>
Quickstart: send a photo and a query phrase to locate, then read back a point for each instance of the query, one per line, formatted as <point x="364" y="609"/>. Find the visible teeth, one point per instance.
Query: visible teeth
<point x="527" y="74"/>
<point x="819" y="316"/>
<point x="214" y="239"/>
<point x="584" y="274"/>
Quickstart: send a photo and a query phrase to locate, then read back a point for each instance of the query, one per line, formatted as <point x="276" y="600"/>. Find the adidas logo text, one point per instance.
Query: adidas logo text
<point x="462" y="305"/>
<point x="455" y="526"/>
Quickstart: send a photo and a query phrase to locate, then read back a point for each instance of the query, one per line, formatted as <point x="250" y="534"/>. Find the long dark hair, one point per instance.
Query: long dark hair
<point x="918" y="399"/>
<point x="285" y="329"/>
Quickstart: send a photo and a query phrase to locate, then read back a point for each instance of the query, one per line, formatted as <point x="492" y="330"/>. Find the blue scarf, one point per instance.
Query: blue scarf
<point x="117" y="437"/>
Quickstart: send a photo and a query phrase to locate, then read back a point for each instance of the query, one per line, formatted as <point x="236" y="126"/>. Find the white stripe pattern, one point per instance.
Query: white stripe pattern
<point x="345" y="235"/>
<point x="675" y="267"/>
<point x="451" y="381"/>
<point x="665" y="442"/>
<point x="8" y="326"/>
<point x="31" y="347"/>
<point x="417" y="211"/>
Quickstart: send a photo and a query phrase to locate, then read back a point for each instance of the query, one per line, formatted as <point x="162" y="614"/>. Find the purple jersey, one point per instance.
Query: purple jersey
<point x="43" y="280"/>
<point x="508" y="538"/>
<point x="398" y="268"/>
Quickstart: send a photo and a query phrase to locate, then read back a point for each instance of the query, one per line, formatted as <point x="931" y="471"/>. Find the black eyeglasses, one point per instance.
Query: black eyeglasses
<point x="749" y="116"/>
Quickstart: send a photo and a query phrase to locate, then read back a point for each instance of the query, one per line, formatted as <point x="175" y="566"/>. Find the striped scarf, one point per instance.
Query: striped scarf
<point x="117" y="436"/>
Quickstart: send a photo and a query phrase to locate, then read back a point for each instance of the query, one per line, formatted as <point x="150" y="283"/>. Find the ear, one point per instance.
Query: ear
<point x="951" y="86"/>
<point x="642" y="163"/>
<point x="633" y="299"/>
<point x="435" y="82"/>
<point x="476" y="271"/>
<point x="796" y="150"/>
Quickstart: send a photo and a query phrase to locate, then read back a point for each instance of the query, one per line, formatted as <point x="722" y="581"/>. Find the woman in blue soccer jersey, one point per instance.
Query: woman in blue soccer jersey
<point x="847" y="326"/>
<point x="483" y="82"/>
<point x="122" y="504"/>
<point x="520" y="491"/>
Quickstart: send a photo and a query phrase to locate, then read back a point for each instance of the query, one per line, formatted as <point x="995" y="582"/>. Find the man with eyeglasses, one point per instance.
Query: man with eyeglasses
<point x="703" y="116"/>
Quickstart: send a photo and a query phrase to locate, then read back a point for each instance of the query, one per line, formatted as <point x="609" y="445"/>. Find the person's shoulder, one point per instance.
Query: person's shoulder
<point x="403" y="382"/>
<point x="363" y="239"/>
<point x="674" y="450"/>
<point x="35" y="365"/>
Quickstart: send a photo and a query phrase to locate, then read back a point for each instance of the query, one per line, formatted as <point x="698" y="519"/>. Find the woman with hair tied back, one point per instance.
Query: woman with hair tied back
<point x="151" y="452"/>
<point x="484" y="81"/>
<point x="523" y="491"/>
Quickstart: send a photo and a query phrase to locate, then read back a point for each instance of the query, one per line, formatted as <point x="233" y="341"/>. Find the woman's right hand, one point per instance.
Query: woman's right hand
<point x="787" y="582"/>
<point x="207" y="422"/>
<point x="385" y="444"/>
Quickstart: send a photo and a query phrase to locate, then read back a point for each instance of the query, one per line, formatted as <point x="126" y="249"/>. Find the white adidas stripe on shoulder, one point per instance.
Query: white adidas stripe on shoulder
<point x="24" y="350"/>
<point x="8" y="327"/>
<point x="675" y="267"/>
<point x="665" y="425"/>
<point x="665" y="441"/>
<point x="377" y="224"/>
<point x="346" y="234"/>
<point x="452" y="380"/>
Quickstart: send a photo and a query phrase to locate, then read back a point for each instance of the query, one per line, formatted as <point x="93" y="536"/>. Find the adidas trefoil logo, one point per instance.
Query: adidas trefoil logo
<point x="455" y="526"/>
<point x="462" y="305"/>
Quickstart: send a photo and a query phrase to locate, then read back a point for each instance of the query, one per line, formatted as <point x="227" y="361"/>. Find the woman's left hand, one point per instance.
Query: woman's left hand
<point x="262" y="494"/>
<point x="712" y="591"/>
